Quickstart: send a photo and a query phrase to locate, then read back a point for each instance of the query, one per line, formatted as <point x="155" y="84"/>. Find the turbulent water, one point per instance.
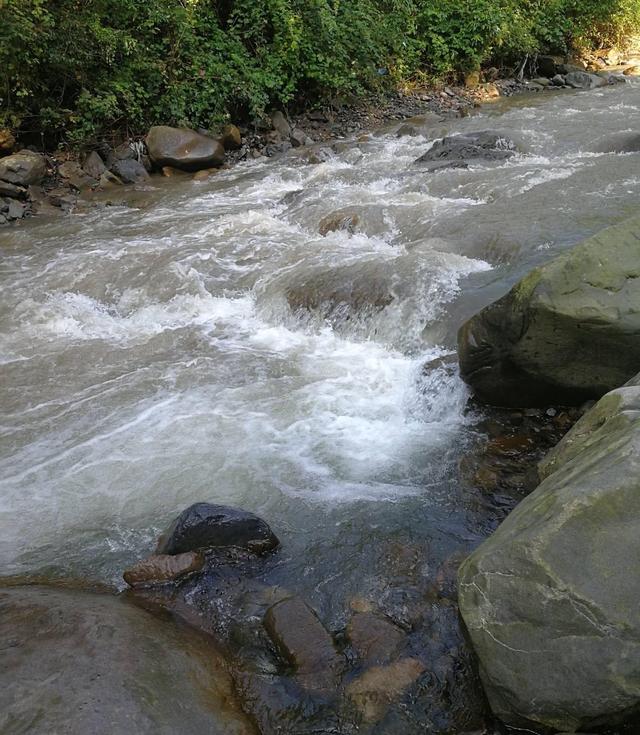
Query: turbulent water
<point x="207" y="343"/>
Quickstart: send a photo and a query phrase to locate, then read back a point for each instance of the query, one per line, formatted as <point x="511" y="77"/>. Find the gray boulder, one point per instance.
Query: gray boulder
<point x="551" y="599"/>
<point x="79" y="662"/>
<point x="204" y="525"/>
<point x="93" y="165"/>
<point x="455" y="150"/>
<point x="584" y="80"/>
<point x="183" y="148"/>
<point x="130" y="171"/>
<point x="566" y="333"/>
<point x="23" y="168"/>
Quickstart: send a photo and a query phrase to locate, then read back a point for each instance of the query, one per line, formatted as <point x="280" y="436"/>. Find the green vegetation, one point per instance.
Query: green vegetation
<point x="72" y="69"/>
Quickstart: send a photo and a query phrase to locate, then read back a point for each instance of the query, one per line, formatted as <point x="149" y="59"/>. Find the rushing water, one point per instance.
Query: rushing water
<point x="151" y="357"/>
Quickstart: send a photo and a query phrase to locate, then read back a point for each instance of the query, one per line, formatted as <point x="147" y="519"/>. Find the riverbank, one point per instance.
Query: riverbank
<point x="74" y="180"/>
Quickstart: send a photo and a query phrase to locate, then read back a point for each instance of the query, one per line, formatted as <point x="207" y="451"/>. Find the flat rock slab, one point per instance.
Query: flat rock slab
<point x="205" y="525"/>
<point x="374" y="639"/>
<point x="566" y="333"/>
<point x="457" y="151"/>
<point x="79" y="663"/>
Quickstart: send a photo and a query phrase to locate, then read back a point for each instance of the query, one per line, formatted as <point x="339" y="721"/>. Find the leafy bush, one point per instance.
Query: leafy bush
<point x="75" y="69"/>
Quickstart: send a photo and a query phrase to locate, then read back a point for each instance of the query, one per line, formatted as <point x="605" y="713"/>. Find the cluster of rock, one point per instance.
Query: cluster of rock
<point x="291" y="671"/>
<point x="556" y="72"/>
<point x="550" y="600"/>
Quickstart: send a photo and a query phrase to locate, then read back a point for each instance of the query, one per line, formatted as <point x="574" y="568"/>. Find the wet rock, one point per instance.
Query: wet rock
<point x="407" y="130"/>
<point x="163" y="568"/>
<point x="130" y="171"/>
<point x="341" y="220"/>
<point x="281" y="124"/>
<point x="94" y="166"/>
<point x="7" y="142"/>
<point x="83" y="663"/>
<point x="205" y="174"/>
<point x="566" y="333"/>
<point x="304" y="643"/>
<point x="584" y="80"/>
<point x="183" y="148"/>
<point x="558" y="80"/>
<point x="11" y="190"/>
<point x="169" y="172"/>
<point x="375" y="640"/>
<point x="76" y="176"/>
<point x="231" y="138"/>
<point x="204" y="525"/>
<point x="23" y="168"/>
<point x="62" y="198"/>
<point x="555" y="589"/>
<point x="457" y="149"/>
<point x="375" y="690"/>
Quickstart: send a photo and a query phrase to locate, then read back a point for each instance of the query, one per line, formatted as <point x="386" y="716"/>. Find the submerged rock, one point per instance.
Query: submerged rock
<point x="80" y="662"/>
<point x="183" y="148"/>
<point x="459" y="149"/>
<point x="204" y="525"/>
<point x="343" y="220"/>
<point x="566" y="333"/>
<point x="23" y="168"/>
<point x="304" y="643"/>
<point x="374" y="639"/>
<point x="551" y="599"/>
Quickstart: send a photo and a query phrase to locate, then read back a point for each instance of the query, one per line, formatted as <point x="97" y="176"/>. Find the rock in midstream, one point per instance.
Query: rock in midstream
<point x="550" y="600"/>
<point x="80" y="662"/>
<point x="204" y="525"/>
<point x="566" y="333"/>
<point x="458" y="150"/>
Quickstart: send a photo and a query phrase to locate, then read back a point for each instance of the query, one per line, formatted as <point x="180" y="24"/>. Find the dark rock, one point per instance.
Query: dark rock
<point x="108" y="180"/>
<point x="566" y="333"/>
<point x="281" y="124"/>
<point x="304" y="643"/>
<point x="621" y="143"/>
<point x="124" y="152"/>
<point x="568" y="68"/>
<point x="204" y="525"/>
<point x="130" y="171"/>
<point x="456" y="149"/>
<point x="231" y="138"/>
<point x="23" y="168"/>
<point x="584" y="80"/>
<point x="375" y="640"/>
<point x="550" y="600"/>
<point x="163" y="568"/>
<point x="548" y="65"/>
<point x="558" y="80"/>
<point x="183" y="148"/>
<point x="94" y="166"/>
<point x="80" y="662"/>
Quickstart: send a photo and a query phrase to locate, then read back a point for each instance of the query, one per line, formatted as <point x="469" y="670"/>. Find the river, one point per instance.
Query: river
<point x="207" y="343"/>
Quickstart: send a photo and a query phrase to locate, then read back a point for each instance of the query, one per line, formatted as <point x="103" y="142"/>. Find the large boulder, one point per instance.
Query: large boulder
<point x="23" y="168"/>
<point x="567" y="332"/>
<point x="203" y="525"/>
<point x="551" y="599"/>
<point x="79" y="662"/>
<point x="183" y="148"/>
<point x="458" y="150"/>
<point x="584" y="80"/>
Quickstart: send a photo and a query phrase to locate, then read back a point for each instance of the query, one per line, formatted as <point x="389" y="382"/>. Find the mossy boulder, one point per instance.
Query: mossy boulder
<point x="566" y="333"/>
<point x="551" y="599"/>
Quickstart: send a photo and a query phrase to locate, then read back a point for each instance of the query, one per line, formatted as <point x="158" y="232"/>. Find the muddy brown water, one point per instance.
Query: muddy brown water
<point x="207" y="343"/>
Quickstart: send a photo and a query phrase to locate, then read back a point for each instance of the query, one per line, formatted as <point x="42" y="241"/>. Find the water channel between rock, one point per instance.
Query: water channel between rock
<point x="208" y="344"/>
